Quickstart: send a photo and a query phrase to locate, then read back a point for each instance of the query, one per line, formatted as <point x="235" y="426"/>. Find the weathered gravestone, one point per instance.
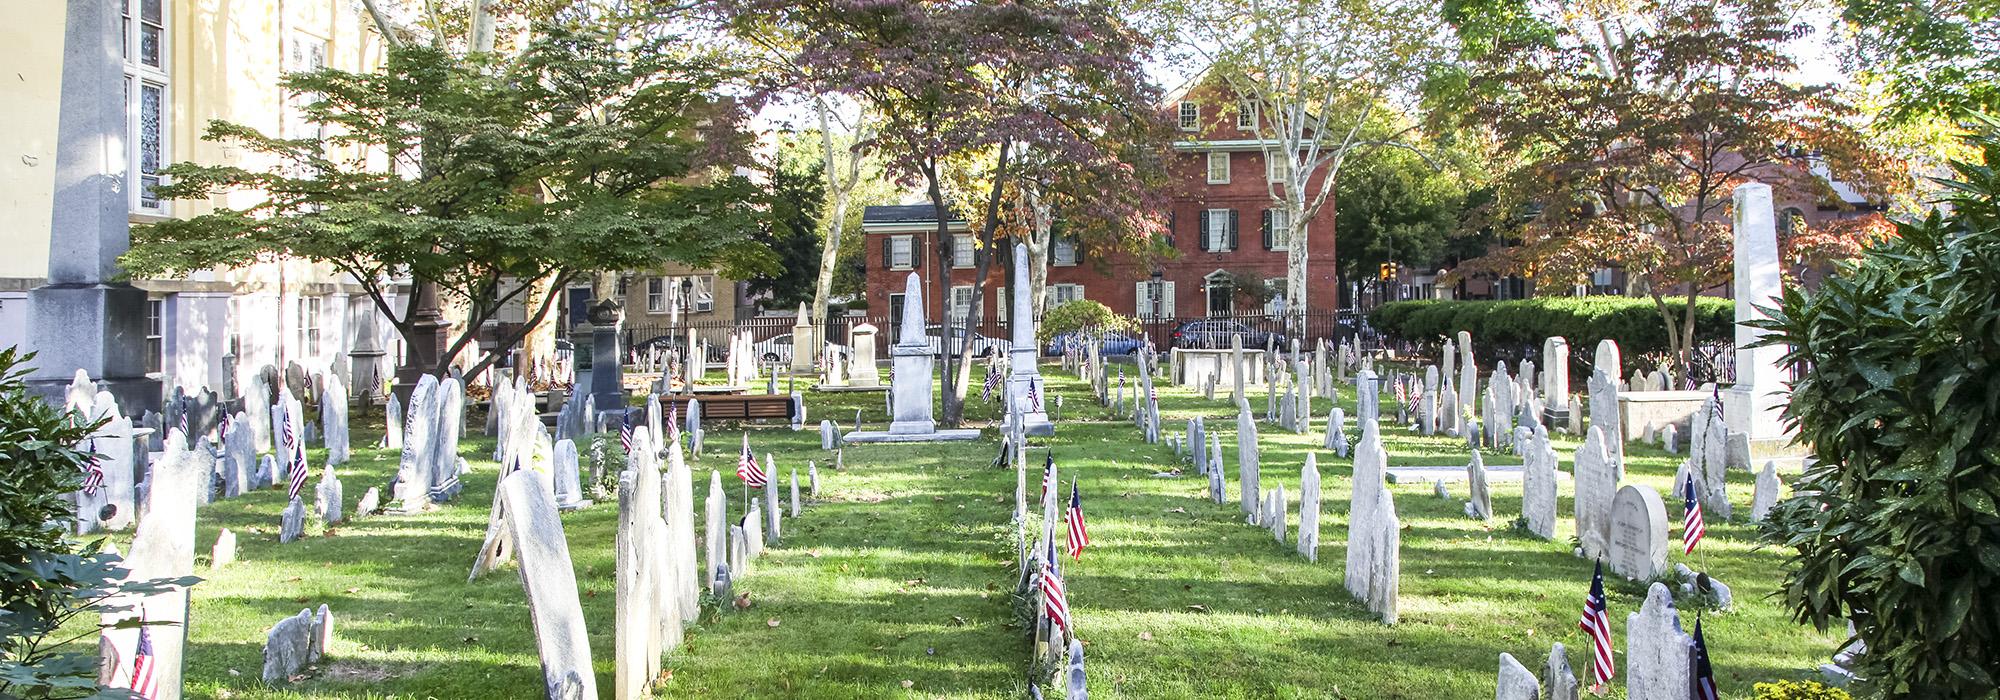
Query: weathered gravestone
<point x="1309" y="508"/>
<point x="224" y="552"/>
<point x="1247" y="463"/>
<point x="1638" y="545"/>
<point x="1516" y="682"/>
<point x="1767" y="493"/>
<point x="1596" y="487"/>
<point x="1538" y="486"/>
<point x="163" y="548"/>
<point x="1659" y="657"/>
<point x="292" y="522"/>
<point x="1557" y="675"/>
<point x="568" y="477"/>
<point x="636" y="642"/>
<point x="328" y="497"/>
<point x="333" y="419"/>
<point x="550" y="584"/>
<point x="1480" y="504"/>
<point x="289" y="647"/>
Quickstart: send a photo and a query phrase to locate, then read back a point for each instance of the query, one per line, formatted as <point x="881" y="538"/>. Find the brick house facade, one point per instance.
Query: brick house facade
<point x="1219" y="223"/>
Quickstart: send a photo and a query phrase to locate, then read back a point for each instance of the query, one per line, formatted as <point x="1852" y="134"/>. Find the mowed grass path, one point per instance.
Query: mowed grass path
<point x="903" y="572"/>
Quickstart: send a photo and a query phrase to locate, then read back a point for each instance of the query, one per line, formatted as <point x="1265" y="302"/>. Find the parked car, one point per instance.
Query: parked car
<point x="676" y="344"/>
<point x="1217" y="333"/>
<point x="1111" y="343"/>
<point x="982" y="346"/>
<point x="778" y="349"/>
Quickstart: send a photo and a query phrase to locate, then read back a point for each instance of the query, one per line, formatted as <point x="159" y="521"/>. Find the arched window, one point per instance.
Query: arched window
<point x="1221" y="289"/>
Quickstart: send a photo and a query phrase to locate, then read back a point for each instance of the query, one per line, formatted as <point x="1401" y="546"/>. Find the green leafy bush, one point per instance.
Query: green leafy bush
<point x="1083" y="315"/>
<point x="1799" y="690"/>
<point x="47" y="579"/>
<point x="1634" y="323"/>
<point x="1895" y="527"/>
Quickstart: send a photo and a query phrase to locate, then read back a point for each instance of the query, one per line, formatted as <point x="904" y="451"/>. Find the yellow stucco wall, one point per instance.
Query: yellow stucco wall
<point x="225" y="58"/>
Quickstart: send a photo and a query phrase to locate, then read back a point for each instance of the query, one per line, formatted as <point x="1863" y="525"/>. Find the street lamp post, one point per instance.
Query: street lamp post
<point x="1155" y="291"/>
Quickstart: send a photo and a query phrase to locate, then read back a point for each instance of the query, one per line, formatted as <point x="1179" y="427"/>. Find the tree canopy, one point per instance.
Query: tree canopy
<point x="493" y="178"/>
<point x="1936" y="57"/>
<point x="1626" y="133"/>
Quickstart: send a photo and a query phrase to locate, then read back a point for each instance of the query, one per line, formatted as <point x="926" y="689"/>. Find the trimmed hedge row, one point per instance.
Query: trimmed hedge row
<point x="1633" y="322"/>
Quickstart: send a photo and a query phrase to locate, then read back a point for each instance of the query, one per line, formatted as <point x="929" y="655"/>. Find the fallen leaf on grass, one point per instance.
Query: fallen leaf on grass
<point x="1178" y="510"/>
<point x="909" y="684"/>
<point x="957" y="621"/>
<point x="773" y="622"/>
<point x="742" y="602"/>
<point x="1145" y="636"/>
<point x="1198" y="608"/>
<point x="352" y="591"/>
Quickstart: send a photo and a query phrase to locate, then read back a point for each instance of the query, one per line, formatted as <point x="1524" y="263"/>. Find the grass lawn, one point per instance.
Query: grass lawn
<point x="897" y="583"/>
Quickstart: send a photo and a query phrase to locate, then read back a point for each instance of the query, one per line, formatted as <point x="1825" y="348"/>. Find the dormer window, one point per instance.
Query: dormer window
<point x="1190" y="116"/>
<point x="1246" y="114"/>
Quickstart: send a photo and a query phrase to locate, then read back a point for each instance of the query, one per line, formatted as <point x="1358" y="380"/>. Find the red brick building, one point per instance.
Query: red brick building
<point x="1219" y="222"/>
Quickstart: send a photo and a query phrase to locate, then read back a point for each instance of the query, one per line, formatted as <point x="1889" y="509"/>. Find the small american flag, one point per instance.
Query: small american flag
<point x="1704" y="673"/>
<point x="625" y="434"/>
<point x="674" y="423"/>
<point x="182" y="406"/>
<point x="1692" y="528"/>
<point x="747" y="469"/>
<point x="1079" y="535"/>
<point x="992" y="379"/>
<point x="144" y="684"/>
<point x="1596" y="624"/>
<point x="93" y="470"/>
<point x="222" y="426"/>
<point x="1054" y="597"/>
<point x="296" y="454"/>
<point x="1035" y="394"/>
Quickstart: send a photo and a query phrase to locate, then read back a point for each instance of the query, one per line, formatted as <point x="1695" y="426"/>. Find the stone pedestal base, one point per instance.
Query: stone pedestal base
<point x="98" y="328"/>
<point x="872" y="436"/>
<point x="1757" y="431"/>
<point x="847" y="388"/>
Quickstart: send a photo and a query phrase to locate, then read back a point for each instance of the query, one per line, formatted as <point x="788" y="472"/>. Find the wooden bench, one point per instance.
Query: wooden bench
<point x="733" y="406"/>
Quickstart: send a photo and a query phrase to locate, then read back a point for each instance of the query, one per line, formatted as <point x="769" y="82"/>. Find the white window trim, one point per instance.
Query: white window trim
<point x="137" y="75"/>
<point x="904" y="246"/>
<point x="962" y="250"/>
<point x="1281" y="235"/>
<point x="1272" y="306"/>
<point x="656" y="295"/>
<point x="703" y="293"/>
<point x="1246" y="114"/>
<point x="1218" y="231"/>
<point x="1208" y="287"/>
<point x="1275" y="167"/>
<point x="954" y="310"/>
<point x="1189" y="122"/>
<point x="156" y="327"/>
<point x="1221" y="157"/>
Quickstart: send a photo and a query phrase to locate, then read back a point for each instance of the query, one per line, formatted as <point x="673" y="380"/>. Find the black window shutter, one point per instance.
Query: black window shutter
<point x="1201" y="234"/>
<point x="1232" y="229"/>
<point x="1173" y="220"/>
<point x="888" y="252"/>
<point x="1267" y="229"/>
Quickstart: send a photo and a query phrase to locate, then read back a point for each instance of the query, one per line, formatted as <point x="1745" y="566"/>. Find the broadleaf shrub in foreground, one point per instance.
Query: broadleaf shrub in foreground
<point x="1895" y="525"/>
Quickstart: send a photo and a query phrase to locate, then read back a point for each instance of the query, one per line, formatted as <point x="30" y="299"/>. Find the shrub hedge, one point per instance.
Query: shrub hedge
<point x="1633" y="322"/>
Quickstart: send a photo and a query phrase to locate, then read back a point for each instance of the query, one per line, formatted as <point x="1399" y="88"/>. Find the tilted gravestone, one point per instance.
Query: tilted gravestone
<point x="549" y="580"/>
<point x="1516" y="682"/>
<point x="1247" y="463"/>
<point x="1596" y="487"/>
<point x="1557" y="675"/>
<point x="1479" y="505"/>
<point x="1309" y="508"/>
<point x="1658" y="655"/>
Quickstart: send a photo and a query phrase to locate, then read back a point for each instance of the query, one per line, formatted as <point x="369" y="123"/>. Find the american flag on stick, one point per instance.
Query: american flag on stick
<point x="625" y="433"/>
<point x="93" y="470"/>
<point x="295" y="453"/>
<point x="182" y="406"/>
<point x="674" y="423"/>
<point x="1048" y="473"/>
<point x="747" y="469"/>
<point x="1704" y="673"/>
<point x="1598" y="625"/>
<point x="144" y="684"/>
<point x="1079" y="535"/>
<point x="1692" y="528"/>
<point x="1055" y="598"/>
<point x="992" y="378"/>
<point x="1035" y="394"/>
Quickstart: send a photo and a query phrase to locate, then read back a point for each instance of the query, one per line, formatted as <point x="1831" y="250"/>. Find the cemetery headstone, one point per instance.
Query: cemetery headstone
<point x="1247" y="460"/>
<point x="1596" y="487"/>
<point x="1638" y="546"/>
<point x="550" y="582"/>
<point x="1516" y="681"/>
<point x="288" y="647"/>
<point x="1480" y="504"/>
<point x="1557" y="675"/>
<point x="1767" y="493"/>
<point x="224" y="552"/>
<point x="1659" y="657"/>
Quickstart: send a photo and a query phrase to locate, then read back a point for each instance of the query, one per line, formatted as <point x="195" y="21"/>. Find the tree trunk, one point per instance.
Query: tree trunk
<point x="952" y="407"/>
<point x="982" y="267"/>
<point x="1295" y="270"/>
<point x="829" y="256"/>
<point x="1038" y="253"/>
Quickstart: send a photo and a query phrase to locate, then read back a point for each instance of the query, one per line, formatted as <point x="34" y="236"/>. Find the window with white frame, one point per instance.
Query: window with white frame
<point x="1059" y="294"/>
<point x="656" y="295"/>
<point x="1218" y="168"/>
<point x="961" y="250"/>
<point x="1062" y="251"/>
<point x="961" y="302"/>
<point x="1001" y="309"/>
<point x="305" y="53"/>
<point x="309" y="309"/>
<point x="1281" y="228"/>
<point x="156" y="336"/>
<point x="900" y="253"/>
<point x="146" y="108"/>
<point x="1190" y="116"/>
<point x="1153" y="299"/>
<point x="1218" y="230"/>
<point x="1246" y="114"/>
<point x="1221" y="291"/>
<point x="1276" y="168"/>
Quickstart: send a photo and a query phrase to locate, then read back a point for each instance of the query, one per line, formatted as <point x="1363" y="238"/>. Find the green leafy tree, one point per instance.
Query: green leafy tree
<point x="1894" y="525"/>
<point x="1626" y="125"/>
<point x="797" y="199"/>
<point x="1092" y="319"/>
<point x="47" y="580"/>
<point x="1935" y="57"/>
<point x="498" y="179"/>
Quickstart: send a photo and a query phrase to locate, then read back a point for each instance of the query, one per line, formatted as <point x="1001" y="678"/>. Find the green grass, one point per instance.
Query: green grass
<point x="903" y="571"/>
